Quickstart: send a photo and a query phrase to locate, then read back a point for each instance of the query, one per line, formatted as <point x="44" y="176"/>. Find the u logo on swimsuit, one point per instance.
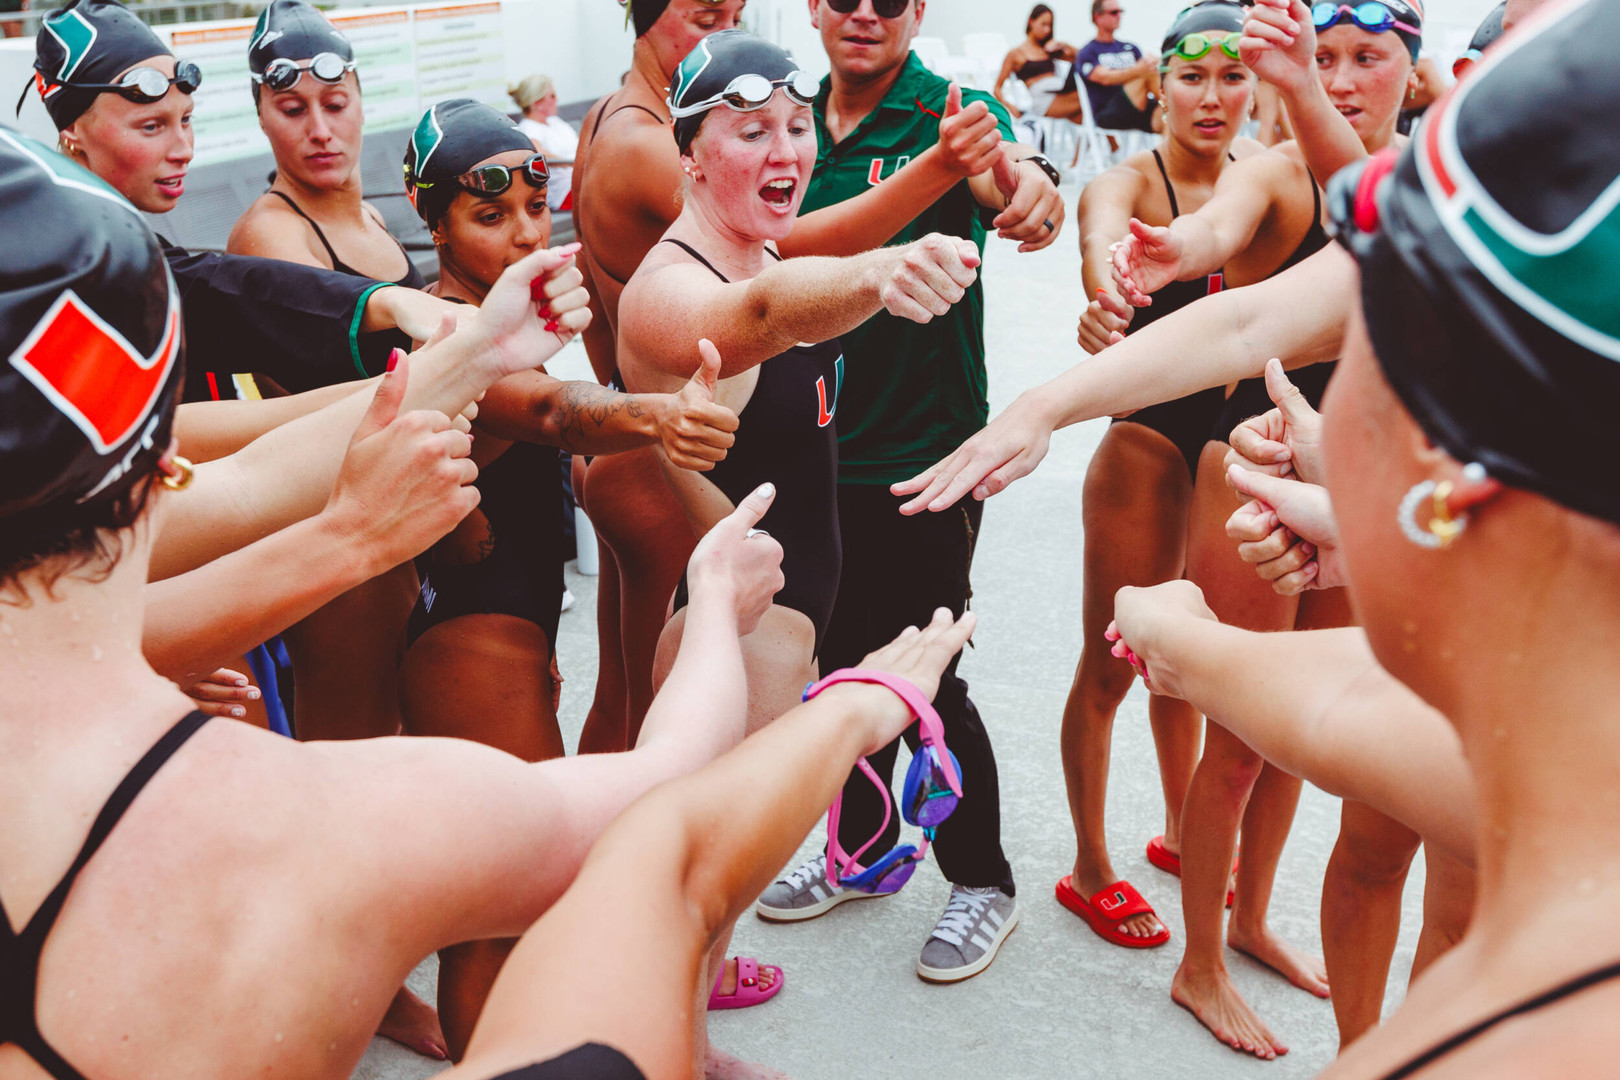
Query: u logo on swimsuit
<point x="826" y="413"/>
<point x="874" y="173"/>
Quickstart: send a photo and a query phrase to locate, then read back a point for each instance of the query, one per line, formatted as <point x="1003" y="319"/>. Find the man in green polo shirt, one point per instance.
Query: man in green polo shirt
<point x="911" y="393"/>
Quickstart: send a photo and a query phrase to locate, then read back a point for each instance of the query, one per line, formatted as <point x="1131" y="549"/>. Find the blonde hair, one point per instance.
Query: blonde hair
<point x="530" y="90"/>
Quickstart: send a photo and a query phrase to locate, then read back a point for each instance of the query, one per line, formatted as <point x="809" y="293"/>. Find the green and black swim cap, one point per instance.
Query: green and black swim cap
<point x="87" y="43"/>
<point x="1215" y="20"/>
<point x="291" y="37"/>
<point x="736" y="69"/>
<point x="1490" y="262"/>
<point x="90" y="321"/>
<point x="449" y="140"/>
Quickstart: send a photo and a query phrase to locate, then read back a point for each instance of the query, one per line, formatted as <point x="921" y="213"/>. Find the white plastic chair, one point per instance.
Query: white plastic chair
<point x="985" y="52"/>
<point x="1095" y="151"/>
<point x="933" y="52"/>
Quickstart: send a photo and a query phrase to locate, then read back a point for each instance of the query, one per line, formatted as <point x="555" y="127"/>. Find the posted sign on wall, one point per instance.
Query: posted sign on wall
<point x="408" y="58"/>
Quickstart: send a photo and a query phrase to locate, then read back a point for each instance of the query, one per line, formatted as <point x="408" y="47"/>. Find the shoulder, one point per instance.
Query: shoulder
<point x="272" y="229"/>
<point x="1245" y="147"/>
<point x="1120" y="188"/>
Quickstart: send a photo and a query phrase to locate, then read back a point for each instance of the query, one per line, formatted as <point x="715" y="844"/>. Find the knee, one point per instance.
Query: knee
<point x="1372" y="860"/>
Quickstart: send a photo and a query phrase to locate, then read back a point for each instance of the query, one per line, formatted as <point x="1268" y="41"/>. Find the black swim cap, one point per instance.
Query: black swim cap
<point x="1217" y="16"/>
<point x="90" y="321"/>
<point x="1490" y="262"/>
<point x="715" y="63"/>
<point x="643" y="13"/>
<point x="89" y="41"/>
<point x="449" y="140"/>
<point x="292" y="30"/>
<point x="1483" y="38"/>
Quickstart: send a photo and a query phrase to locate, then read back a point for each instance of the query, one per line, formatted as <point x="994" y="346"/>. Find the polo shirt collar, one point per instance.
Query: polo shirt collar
<point x="903" y="95"/>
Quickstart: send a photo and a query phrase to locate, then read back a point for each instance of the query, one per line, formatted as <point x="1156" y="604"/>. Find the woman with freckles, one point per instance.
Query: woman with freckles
<point x="714" y="288"/>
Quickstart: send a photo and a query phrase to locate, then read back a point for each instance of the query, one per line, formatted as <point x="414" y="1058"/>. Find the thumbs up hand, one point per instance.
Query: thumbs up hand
<point x="695" y="431"/>
<point x="968" y="138"/>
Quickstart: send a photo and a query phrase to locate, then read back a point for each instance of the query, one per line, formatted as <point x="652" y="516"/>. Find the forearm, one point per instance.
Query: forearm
<point x="1205" y="244"/>
<point x="197" y="621"/>
<point x="701" y="710"/>
<point x="1325" y="137"/>
<point x="873" y="217"/>
<point x="208" y="430"/>
<point x="581" y="417"/>
<point x="808" y="299"/>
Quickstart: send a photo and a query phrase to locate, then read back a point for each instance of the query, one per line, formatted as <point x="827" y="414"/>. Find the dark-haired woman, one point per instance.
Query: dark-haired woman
<point x="1045" y="67"/>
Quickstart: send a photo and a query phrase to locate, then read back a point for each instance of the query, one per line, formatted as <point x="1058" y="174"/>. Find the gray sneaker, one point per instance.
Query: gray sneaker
<point x="805" y="894"/>
<point x="968" y="935"/>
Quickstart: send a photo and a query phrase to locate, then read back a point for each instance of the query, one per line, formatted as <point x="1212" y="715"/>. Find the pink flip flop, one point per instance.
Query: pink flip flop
<point x="748" y="991"/>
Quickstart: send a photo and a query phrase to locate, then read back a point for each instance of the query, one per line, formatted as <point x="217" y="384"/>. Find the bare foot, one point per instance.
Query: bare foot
<point x="414" y="1024"/>
<point x="1220" y="1008"/>
<point x="1089" y="881"/>
<point x="1306" y="972"/>
<point x="728" y="977"/>
<point x="723" y="1066"/>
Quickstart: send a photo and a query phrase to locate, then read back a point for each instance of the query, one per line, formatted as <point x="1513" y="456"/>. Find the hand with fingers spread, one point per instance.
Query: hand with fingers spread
<point x="693" y="430"/>
<point x="536" y="306"/>
<point x="1143" y="619"/>
<point x="1148" y="259"/>
<point x="924" y="278"/>
<point x="1287" y="532"/>
<point x="969" y="138"/>
<point x="738" y="564"/>
<point x="222" y="693"/>
<point x="920" y="656"/>
<point x="1287" y="441"/>
<point x="1104" y="322"/>
<point x="405" y="480"/>
<point x="1279" y="44"/>
<point x="1007" y="448"/>
<point x="1035" y="211"/>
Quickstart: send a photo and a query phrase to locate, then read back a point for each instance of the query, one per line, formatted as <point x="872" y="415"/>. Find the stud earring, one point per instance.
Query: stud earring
<point x="1443" y="527"/>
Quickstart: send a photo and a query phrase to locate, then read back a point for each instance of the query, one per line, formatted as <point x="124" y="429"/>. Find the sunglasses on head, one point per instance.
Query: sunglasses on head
<point x="931" y="792"/>
<point x="1111" y="11"/>
<point x="1371" y="16"/>
<point x="1196" y="46"/>
<point x="746" y="93"/>
<point x="883" y="9"/>
<point x="144" y="85"/>
<point x="283" y="74"/>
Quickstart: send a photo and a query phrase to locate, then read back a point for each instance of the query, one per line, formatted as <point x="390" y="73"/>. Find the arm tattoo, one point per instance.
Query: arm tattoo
<point x="584" y="409"/>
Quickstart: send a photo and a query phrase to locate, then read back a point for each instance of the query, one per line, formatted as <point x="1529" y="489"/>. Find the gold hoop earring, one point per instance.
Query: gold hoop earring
<point x="183" y="472"/>
<point x="1444" y="527"/>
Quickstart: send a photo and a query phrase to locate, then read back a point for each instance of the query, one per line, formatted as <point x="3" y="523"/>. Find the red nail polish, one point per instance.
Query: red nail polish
<point x="393" y="359"/>
<point x="537" y="289"/>
<point x="553" y="325"/>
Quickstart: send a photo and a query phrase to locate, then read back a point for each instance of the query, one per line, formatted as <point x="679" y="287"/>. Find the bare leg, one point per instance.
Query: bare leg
<point x="1448" y="906"/>
<point x="486" y="678"/>
<point x="1135" y="513"/>
<point x="346" y="660"/>
<point x="1266" y="823"/>
<point x="778" y="656"/>
<point x="607" y="724"/>
<point x="1361" y="913"/>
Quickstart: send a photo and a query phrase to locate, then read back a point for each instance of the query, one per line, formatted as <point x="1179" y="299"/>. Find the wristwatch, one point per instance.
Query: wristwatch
<point x="1046" y="167"/>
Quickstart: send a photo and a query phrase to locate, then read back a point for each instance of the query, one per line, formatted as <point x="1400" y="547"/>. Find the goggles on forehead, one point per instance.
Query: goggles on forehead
<point x="144" y="85"/>
<point x="283" y="74"/>
<point x="931" y="792"/>
<point x="1371" y="16"/>
<point x="1196" y="46"/>
<point x="747" y="93"/>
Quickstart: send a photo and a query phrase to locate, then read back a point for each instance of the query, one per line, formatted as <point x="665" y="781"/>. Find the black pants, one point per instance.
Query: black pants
<point x="897" y="570"/>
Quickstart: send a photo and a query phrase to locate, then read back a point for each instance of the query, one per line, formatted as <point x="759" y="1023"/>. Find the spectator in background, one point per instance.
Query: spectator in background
<point x="1045" y="67"/>
<point x="1123" y="84"/>
<point x="552" y="135"/>
<point x="12" y="27"/>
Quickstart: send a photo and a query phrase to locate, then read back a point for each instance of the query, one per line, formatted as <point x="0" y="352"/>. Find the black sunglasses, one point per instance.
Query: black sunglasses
<point x="144" y="85"/>
<point x="883" y="9"/>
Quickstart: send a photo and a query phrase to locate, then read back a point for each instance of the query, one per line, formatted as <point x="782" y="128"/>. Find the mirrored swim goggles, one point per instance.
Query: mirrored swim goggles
<point x="283" y="74"/>
<point x="144" y="85"/>
<point x="932" y="789"/>
<point x="747" y="93"/>
<point x="1371" y="16"/>
<point x="488" y="181"/>
<point x="1196" y="46"/>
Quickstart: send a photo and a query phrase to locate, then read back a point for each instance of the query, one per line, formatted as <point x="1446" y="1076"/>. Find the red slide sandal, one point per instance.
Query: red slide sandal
<point x="1170" y="862"/>
<point x="1110" y="907"/>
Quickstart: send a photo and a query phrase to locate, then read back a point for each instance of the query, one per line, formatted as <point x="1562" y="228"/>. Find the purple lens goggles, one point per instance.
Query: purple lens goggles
<point x="932" y="788"/>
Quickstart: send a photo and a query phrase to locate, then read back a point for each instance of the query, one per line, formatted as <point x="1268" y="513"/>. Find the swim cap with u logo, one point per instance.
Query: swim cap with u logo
<point x="88" y="42"/>
<point x="733" y="68"/>
<point x="292" y="30"/>
<point x="449" y="140"/>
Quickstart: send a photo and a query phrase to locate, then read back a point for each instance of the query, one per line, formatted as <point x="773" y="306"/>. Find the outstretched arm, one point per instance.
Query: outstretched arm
<point x="698" y="857"/>
<point x="1314" y="703"/>
<point x="210" y="430"/>
<point x="1279" y="44"/>
<point x="1298" y="315"/>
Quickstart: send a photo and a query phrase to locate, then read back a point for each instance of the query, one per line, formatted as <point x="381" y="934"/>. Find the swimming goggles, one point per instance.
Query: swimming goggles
<point x="1371" y="16"/>
<point x="283" y="74"/>
<point x="747" y="93"/>
<point x="144" y="85"/>
<point x="932" y="789"/>
<point x="883" y="9"/>
<point x="1196" y="46"/>
<point x="490" y="180"/>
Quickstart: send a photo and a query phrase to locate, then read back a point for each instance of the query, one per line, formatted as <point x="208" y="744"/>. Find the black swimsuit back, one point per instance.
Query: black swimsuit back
<point x="1186" y="421"/>
<point x="412" y="278"/>
<point x="20" y="950"/>
<point x="787" y="436"/>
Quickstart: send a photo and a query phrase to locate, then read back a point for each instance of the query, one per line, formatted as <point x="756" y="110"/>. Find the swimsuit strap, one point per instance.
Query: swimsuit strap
<point x="692" y="251"/>
<point x="773" y="253"/>
<point x="1557" y="993"/>
<point x="1158" y="159"/>
<point x="22" y="949"/>
<point x="605" y="113"/>
<point x="337" y="263"/>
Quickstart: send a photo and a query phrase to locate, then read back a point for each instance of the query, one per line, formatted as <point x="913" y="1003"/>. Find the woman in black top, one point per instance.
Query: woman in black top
<point x="1046" y="67"/>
